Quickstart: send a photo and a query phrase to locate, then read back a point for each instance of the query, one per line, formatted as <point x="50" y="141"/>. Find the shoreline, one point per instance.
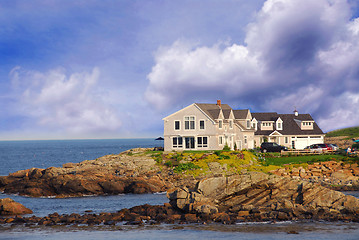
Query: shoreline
<point x="145" y="215"/>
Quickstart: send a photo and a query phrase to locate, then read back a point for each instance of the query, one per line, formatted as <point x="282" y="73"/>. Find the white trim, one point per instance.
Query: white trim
<point x="165" y="118"/>
<point x="212" y="120"/>
<point x="275" y="132"/>
<point x="175" y="125"/>
<point x="184" y="121"/>
<point x="199" y="125"/>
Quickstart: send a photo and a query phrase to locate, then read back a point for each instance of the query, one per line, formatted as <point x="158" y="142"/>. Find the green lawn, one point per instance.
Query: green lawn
<point x="352" y="132"/>
<point x="279" y="161"/>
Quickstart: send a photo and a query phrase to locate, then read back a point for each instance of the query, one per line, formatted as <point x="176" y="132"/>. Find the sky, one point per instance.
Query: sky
<point x="76" y="69"/>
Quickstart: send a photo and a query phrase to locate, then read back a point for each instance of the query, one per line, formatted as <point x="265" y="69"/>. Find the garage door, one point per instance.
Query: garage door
<point x="301" y="142"/>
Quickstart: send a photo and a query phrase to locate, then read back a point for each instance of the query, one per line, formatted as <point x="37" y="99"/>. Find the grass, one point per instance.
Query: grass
<point x="198" y="163"/>
<point x="352" y="132"/>
<point x="280" y="161"/>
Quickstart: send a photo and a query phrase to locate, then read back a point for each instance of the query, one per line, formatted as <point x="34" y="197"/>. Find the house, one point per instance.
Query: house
<point x="202" y="126"/>
<point x="294" y="131"/>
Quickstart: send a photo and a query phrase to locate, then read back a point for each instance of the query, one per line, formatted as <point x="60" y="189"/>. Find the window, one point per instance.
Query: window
<point x="177" y="125"/>
<point x="230" y="124"/>
<point x="189" y="123"/>
<point x="177" y="142"/>
<point x="220" y="140"/>
<point x="220" y="124"/>
<point x="201" y="124"/>
<point x="202" y="142"/>
<point x="245" y="139"/>
<point x="286" y="139"/>
<point x="279" y="126"/>
<point x="248" y="124"/>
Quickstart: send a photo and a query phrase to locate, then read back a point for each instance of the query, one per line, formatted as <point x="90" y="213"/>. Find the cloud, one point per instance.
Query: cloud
<point x="72" y="104"/>
<point x="183" y="70"/>
<point x="297" y="53"/>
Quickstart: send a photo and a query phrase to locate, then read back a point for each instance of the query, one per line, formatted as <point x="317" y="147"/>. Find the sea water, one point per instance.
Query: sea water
<point x="18" y="155"/>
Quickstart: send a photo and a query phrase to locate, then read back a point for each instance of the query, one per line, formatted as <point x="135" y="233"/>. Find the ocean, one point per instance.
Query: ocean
<point x="18" y="155"/>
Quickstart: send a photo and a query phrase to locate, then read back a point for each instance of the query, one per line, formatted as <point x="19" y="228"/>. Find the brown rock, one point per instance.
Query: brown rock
<point x="252" y="191"/>
<point x="10" y="207"/>
<point x="191" y="218"/>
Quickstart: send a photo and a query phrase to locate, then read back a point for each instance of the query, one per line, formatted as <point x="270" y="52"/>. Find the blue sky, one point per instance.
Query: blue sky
<point x="114" y="69"/>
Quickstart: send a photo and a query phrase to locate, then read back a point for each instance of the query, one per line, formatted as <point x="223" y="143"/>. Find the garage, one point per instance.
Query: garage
<point x="302" y="142"/>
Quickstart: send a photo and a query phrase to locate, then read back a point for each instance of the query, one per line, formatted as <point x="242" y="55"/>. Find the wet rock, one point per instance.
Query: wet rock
<point x="10" y="207"/>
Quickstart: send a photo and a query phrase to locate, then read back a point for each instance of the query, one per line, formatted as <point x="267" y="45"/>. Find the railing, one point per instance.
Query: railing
<point x="305" y="152"/>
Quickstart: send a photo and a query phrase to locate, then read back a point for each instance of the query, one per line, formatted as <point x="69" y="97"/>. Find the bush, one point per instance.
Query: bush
<point x="226" y="148"/>
<point x="184" y="167"/>
<point x="169" y="163"/>
<point x="157" y="157"/>
<point x="355" y="145"/>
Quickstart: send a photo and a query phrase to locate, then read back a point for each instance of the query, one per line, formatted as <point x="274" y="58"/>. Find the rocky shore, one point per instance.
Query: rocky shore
<point x="136" y="171"/>
<point x="243" y="198"/>
<point x="132" y="171"/>
<point x="334" y="175"/>
<point x="218" y="195"/>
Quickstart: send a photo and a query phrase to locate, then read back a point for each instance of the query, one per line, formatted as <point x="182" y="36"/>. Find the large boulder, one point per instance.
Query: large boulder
<point x="262" y="194"/>
<point x="9" y="207"/>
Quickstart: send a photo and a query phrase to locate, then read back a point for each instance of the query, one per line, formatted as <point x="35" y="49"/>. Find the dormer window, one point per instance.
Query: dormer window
<point x="248" y="124"/>
<point x="220" y="124"/>
<point x="255" y="124"/>
<point x="279" y="124"/>
<point x="307" y="125"/>
<point x="267" y="125"/>
<point x="230" y="124"/>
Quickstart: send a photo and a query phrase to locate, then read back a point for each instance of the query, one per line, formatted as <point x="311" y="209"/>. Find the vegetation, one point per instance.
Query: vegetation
<point x="198" y="163"/>
<point x="185" y="166"/>
<point x="352" y="132"/>
<point x="280" y="161"/>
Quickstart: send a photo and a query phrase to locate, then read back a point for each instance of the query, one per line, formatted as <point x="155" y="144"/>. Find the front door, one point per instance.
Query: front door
<point x="189" y="142"/>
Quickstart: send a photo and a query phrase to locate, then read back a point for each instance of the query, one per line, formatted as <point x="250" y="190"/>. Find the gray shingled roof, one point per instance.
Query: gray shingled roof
<point x="266" y="116"/>
<point x="290" y="127"/>
<point x="240" y="114"/>
<point x="213" y="110"/>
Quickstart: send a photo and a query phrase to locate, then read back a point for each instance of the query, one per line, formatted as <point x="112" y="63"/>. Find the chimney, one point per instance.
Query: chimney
<point x="219" y="103"/>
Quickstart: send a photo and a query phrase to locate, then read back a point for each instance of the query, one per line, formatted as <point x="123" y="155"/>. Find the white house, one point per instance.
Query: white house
<point x="208" y="127"/>
<point x="201" y="126"/>
<point x="294" y="131"/>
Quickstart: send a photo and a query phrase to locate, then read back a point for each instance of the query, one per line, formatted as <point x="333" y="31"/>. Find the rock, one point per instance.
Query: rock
<point x="9" y="207"/>
<point x="254" y="191"/>
<point x="206" y="209"/>
<point x="112" y="174"/>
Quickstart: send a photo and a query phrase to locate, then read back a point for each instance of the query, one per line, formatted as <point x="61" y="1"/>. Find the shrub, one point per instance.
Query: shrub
<point x="169" y="163"/>
<point x="158" y="158"/>
<point x="226" y="148"/>
<point x="184" y="167"/>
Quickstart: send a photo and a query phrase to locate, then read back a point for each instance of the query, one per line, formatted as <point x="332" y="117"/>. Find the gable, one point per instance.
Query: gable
<point x="191" y="110"/>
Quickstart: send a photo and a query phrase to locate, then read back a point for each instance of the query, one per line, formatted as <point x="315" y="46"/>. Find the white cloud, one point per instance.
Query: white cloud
<point x="184" y="69"/>
<point x="344" y="112"/>
<point x="299" y="53"/>
<point x="72" y="104"/>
